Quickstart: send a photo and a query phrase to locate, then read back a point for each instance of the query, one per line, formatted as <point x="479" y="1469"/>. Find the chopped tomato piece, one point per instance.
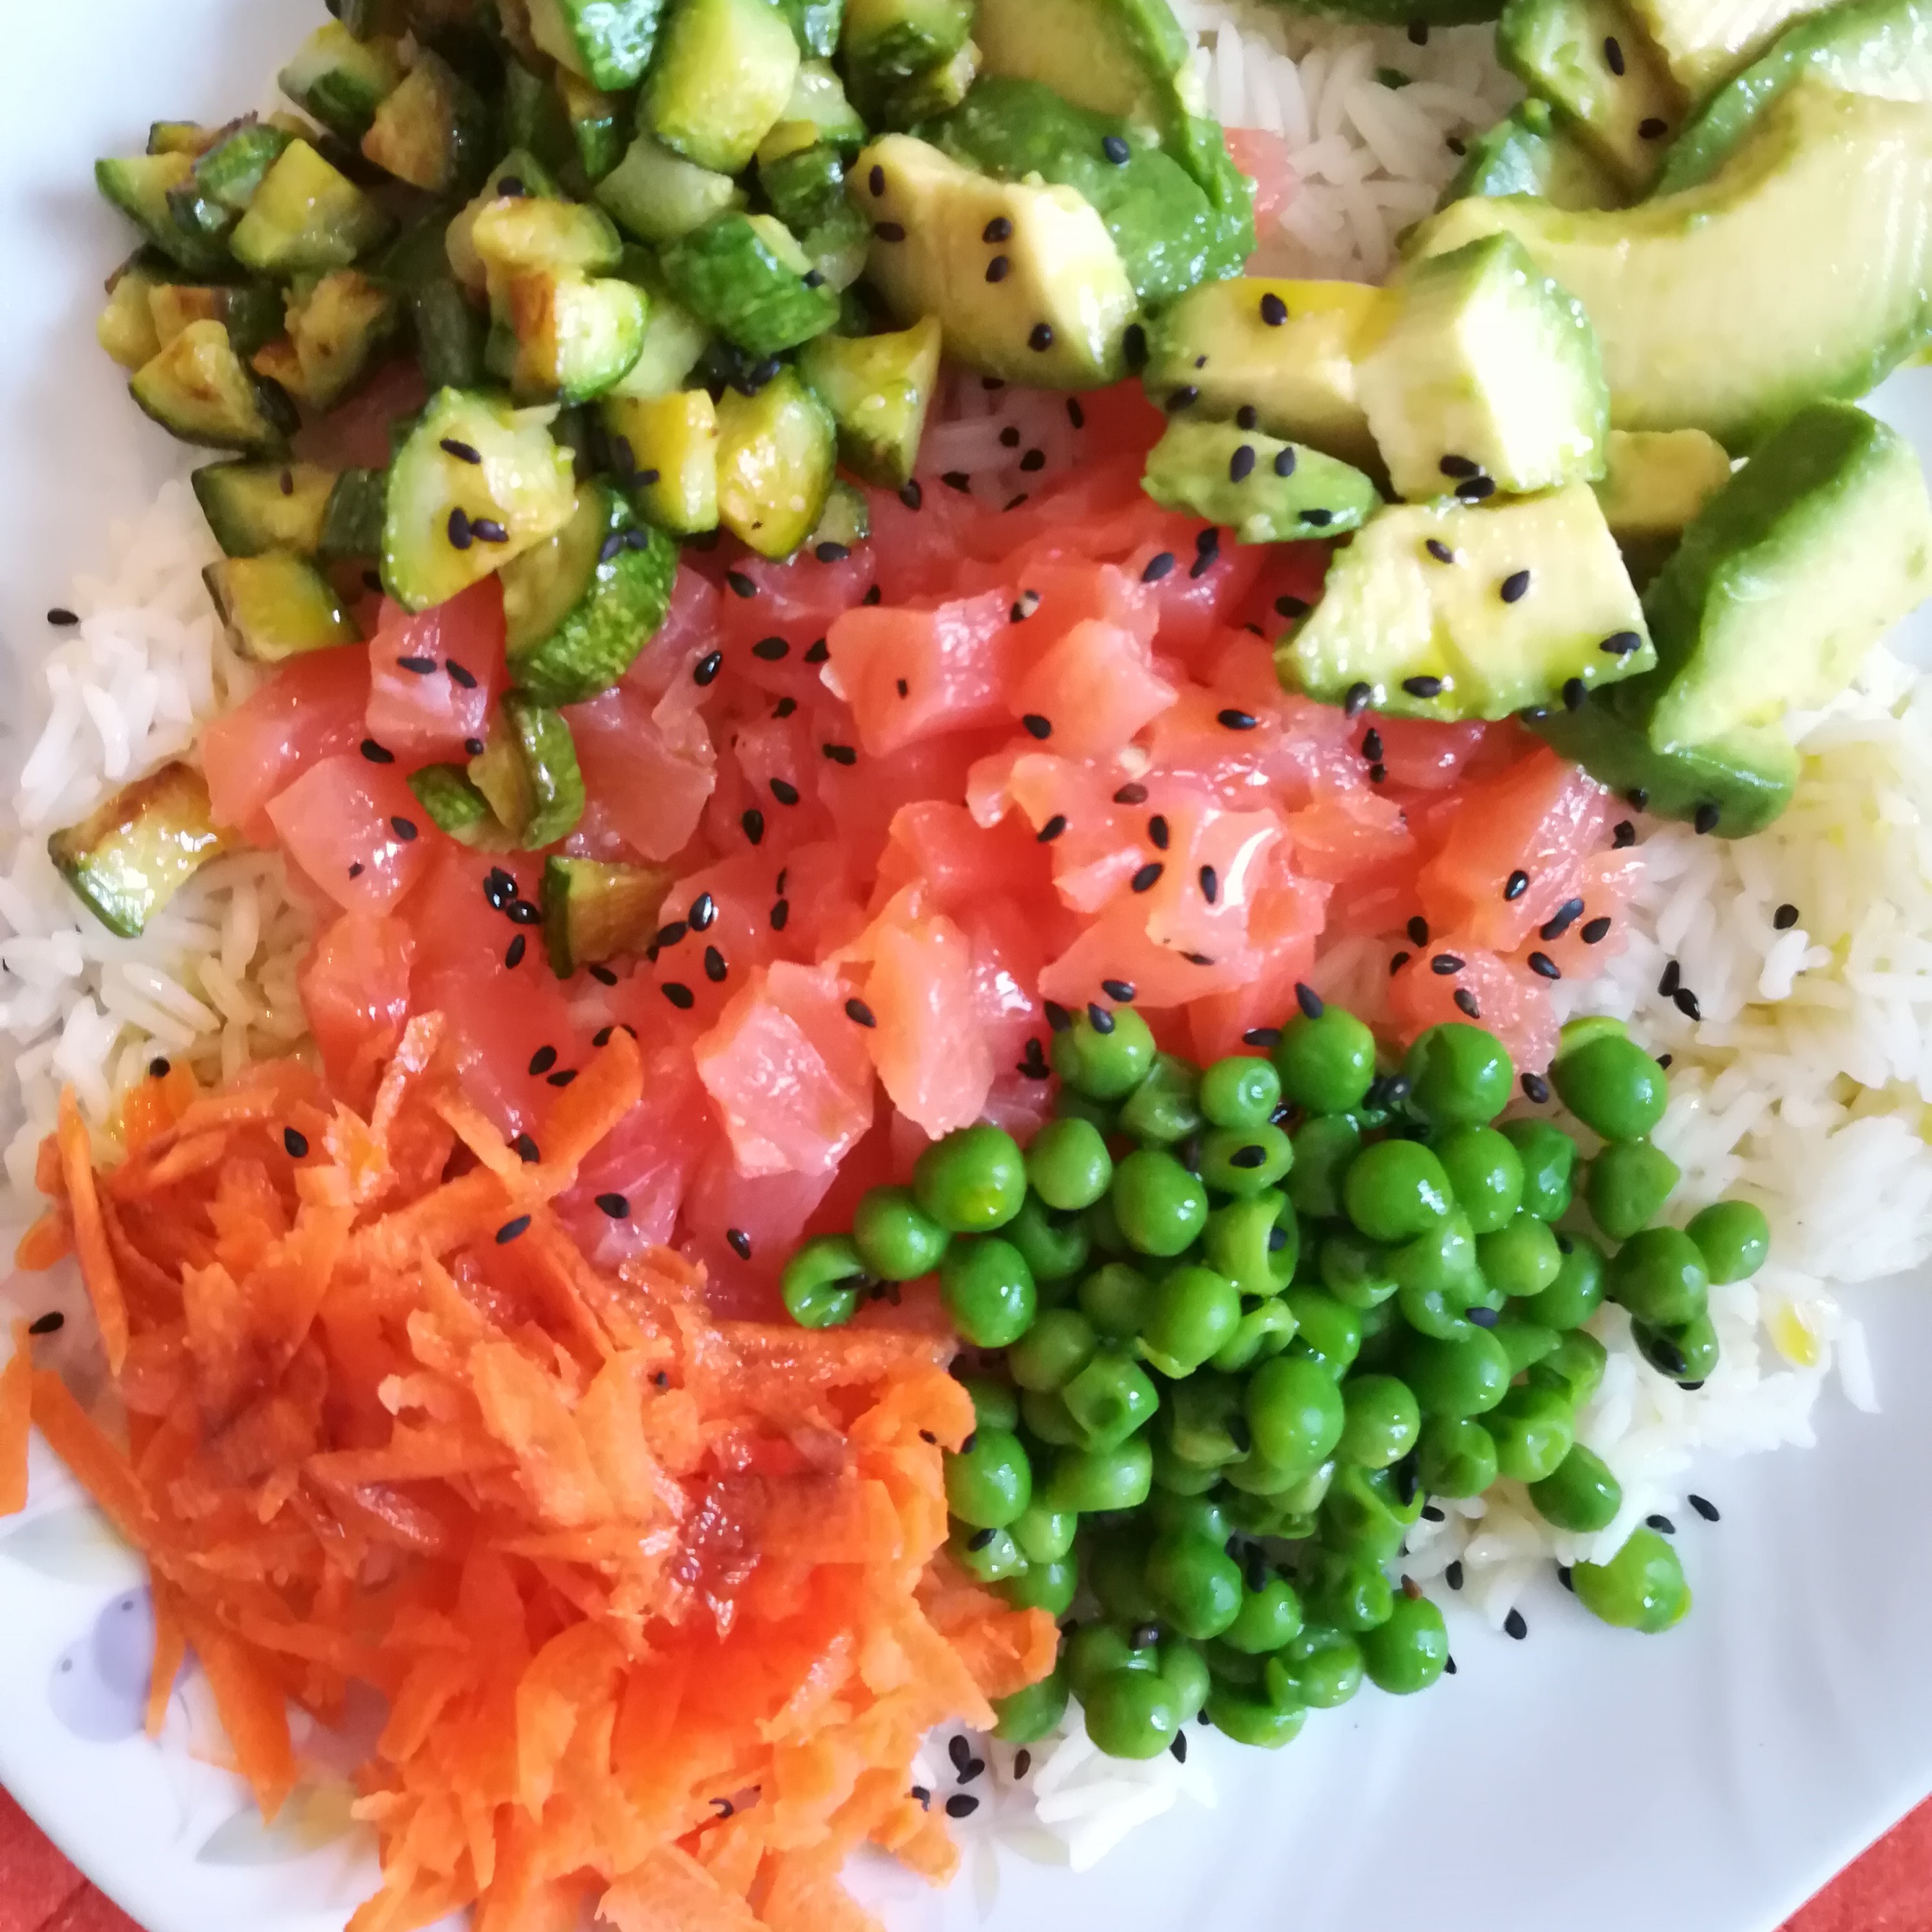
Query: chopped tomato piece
<point x="356" y="828"/>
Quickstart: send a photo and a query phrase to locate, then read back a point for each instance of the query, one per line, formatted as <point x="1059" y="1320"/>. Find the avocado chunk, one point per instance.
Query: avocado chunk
<point x="1869" y="46"/>
<point x="721" y="79"/>
<point x="126" y="859"/>
<point x="433" y="131"/>
<point x="199" y="390"/>
<point x="1425" y="608"/>
<point x="1530" y="152"/>
<point x="1593" y="60"/>
<point x="777" y="451"/>
<point x="306" y="216"/>
<point x="658" y="195"/>
<point x="341" y="80"/>
<point x="1285" y="350"/>
<point x="1484" y="367"/>
<point x="277" y="606"/>
<point x="351" y="525"/>
<point x="595" y="911"/>
<point x="1265" y="490"/>
<point x="1787" y="578"/>
<point x="578" y="607"/>
<point x="1127" y="58"/>
<point x="877" y="388"/>
<point x="609" y="43"/>
<point x="1812" y="228"/>
<point x="1054" y="317"/>
<point x="139" y="187"/>
<point x="1704" y="44"/>
<point x="528" y="772"/>
<point x="521" y="489"/>
<point x="667" y="448"/>
<point x="746" y="277"/>
<point x="255" y="508"/>
<point x="1654" y="482"/>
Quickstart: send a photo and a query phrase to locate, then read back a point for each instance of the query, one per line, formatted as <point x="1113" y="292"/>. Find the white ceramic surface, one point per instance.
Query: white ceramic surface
<point x="1706" y="1782"/>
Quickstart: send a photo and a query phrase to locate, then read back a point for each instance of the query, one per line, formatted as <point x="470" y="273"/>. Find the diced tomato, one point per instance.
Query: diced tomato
<point x="648" y="1158"/>
<point x="1343" y="832"/>
<point x="1263" y="158"/>
<point x="649" y="776"/>
<point x="311" y="708"/>
<point x="1282" y="928"/>
<point x="1092" y="690"/>
<point x="1509" y="1001"/>
<point x="743" y="1227"/>
<point x="356" y="828"/>
<point x="434" y="677"/>
<point x="961" y="863"/>
<point x="663" y="667"/>
<point x="1204" y="589"/>
<point x="913" y="674"/>
<point x="862" y="797"/>
<point x="355" y="988"/>
<point x="1008" y="951"/>
<point x="1418" y="752"/>
<point x="355" y="435"/>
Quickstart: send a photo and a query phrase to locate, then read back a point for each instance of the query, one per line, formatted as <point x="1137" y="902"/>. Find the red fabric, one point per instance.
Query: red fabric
<point x="1888" y="1890"/>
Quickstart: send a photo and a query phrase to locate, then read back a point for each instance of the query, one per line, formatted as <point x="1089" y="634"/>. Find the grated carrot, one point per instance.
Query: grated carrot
<point x="16" y="1412"/>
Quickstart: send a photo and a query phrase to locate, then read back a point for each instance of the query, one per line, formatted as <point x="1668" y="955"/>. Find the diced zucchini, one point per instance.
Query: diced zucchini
<point x="885" y="42"/>
<point x="608" y="42"/>
<point x="528" y="772"/>
<point x="198" y="388"/>
<point x="805" y="186"/>
<point x="277" y="606"/>
<point x="817" y="110"/>
<point x="517" y="174"/>
<point x="674" y="338"/>
<point x="226" y="176"/>
<point x="514" y="235"/>
<point x="126" y="327"/>
<point x="457" y="808"/>
<point x="877" y="388"/>
<point x="523" y="488"/>
<point x="337" y="329"/>
<point x="341" y="80"/>
<point x="433" y="131"/>
<point x="745" y="276"/>
<point x="595" y="911"/>
<point x="307" y="215"/>
<point x="139" y="187"/>
<point x="177" y="137"/>
<point x="256" y="508"/>
<point x="575" y="335"/>
<point x="667" y="446"/>
<point x="126" y="860"/>
<point x="367" y="19"/>
<point x="659" y="195"/>
<point x="846" y="520"/>
<point x="776" y="454"/>
<point x="351" y="525"/>
<point x="535" y="118"/>
<point x="251" y="312"/>
<point x="722" y="78"/>
<point x="933" y="90"/>
<point x="578" y="608"/>
<point x="815" y="25"/>
<point x="597" y="123"/>
<point x="837" y="249"/>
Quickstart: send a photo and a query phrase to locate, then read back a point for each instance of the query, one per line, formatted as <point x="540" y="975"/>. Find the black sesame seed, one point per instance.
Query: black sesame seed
<point x="1131" y="794"/>
<point x="1396" y="962"/>
<point x="1309" y="1000"/>
<point x="715" y="968"/>
<point x="785" y="791"/>
<point x="421" y="667"/>
<point x="1613" y="54"/>
<point x="1274" y="310"/>
<point x="1444" y="964"/>
<point x="1157" y="567"/>
<point x="1183" y="398"/>
<point x="474" y="746"/>
<point x="1057" y="1017"/>
<point x="404" y="829"/>
<point x="963" y="1804"/>
<point x="859" y="1014"/>
<point x="741" y="585"/>
<point x="1560" y="921"/>
<point x="1321" y="519"/>
<point x="998" y="268"/>
<point x="679" y="995"/>
<point x="703" y="913"/>
<point x="1148" y="876"/>
<point x="1034" y="459"/>
<point x="831" y="553"/>
<point x="958" y="479"/>
<point x="1543" y="966"/>
<point x="1422" y="687"/>
<point x="876" y="180"/>
<point x="753" y="823"/>
<point x="615" y="1205"/>
<point x="1535" y="1088"/>
<point x="1247" y="417"/>
<point x="979" y="1539"/>
<point x="1208" y="541"/>
<point x="1293" y="608"/>
<point x="1620" y="643"/>
<point x="780" y="912"/>
<point x="1453" y="1575"/>
<point x="1669" y="980"/>
<point x="1515" y="885"/>
<point x="1036" y="726"/>
<point x="1378" y="774"/>
<point x="1622" y="834"/>
<point x="1661" y="1523"/>
<point x="377" y="754"/>
<point x="1593" y="930"/>
<point x="53" y="1321"/>
<point x="458" y="527"/>
<point x="1121" y="990"/>
<point x="487" y="529"/>
<point x="1638" y="797"/>
<point x="1514" y="587"/>
<point x="1158" y="834"/>
<point x="1440" y="550"/>
<point x="1476" y="490"/>
<point x="1233" y="719"/>
<point x="1371" y="745"/>
<point x="523" y="912"/>
<point x="1241" y="464"/>
<point x="1000" y="228"/>
<point x="889" y="231"/>
<point x="769" y="650"/>
<point x="1458" y="467"/>
<point x="1703" y="1505"/>
<point x="1574" y="692"/>
<point x="1705" y="818"/>
<point x="296" y="1143"/>
<point x="1417" y="929"/>
<point x="1052" y="829"/>
<point x="1209" y="882"/>
<point x="1651" y="129"/>
<point x="1357" y="701"/>
<point x="159" y="1067"/>
<point x="1459" y="147"/>
<point x="513" y="954"/>
<point x="910" y="494"/>
<point x="1262" y="1037"/>
<point x="460" y="675"/>
<point x="1515" y="1625"/>
<point x="61" y="618"/>
<point x="1116" y="150"/>
<point x="707" y="668"/>
<point x="1686" y="1003"/>
<point x="1284" y="462"/>
<point x="1040" y="339"/>
<point x="1099" y="1019"/>
<point x="1466" y="1003"/>
<point x="1785" y="918"/>
<point x="510" y="1230"/>
<point x="840" y="755"/>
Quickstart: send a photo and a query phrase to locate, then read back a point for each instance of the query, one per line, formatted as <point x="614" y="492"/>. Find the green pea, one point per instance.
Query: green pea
<point x="1116" y="1299"/>
<point x="1109" y="1399"/>
<point x="1522" y="1259"/>
<point x="1327" y="1332"/>
<point x="1192" y="1313"/>
<point x="895" y="1238"/>
<point x="1395" y="1190"/>
<point x="1058" y="1346"/>
<point x="1047" y="1420"/>
<point x="1642" y="1587"/>
<point x="1363" y="1513"/>
<point x="1094" y="1650"/>
<point x="1244" y="1160"/>
<point x="1455" y="1456"/>
<point x="1485" y="1174"/>
<point x="1409" y="1651"/>
<point x="1069" y="1165"/>
<point x="1030" y="1715"/>
<point x="1458" y="1075"/>
<point x="1108" y="1061"/>
<point x="1172" y="1476"/>
<point x="1380" y="1421"/>
<point x="1294" y="1411"/>
<point x="1574" y="1366"/>
<point x="1438" y="1280"/>
<point x="821" y="1281"/>
<point x="1579" y="1494"/>
<point x="1549" y="1158"/>
<point x="1044" y="1535"/>
<point x="1286" y="1493"/>
<point x="1242" y="1090"/>
<point x="1464" y="1377"/>
<point x="994" y="1404"/>
<point x="1192" y="1515"/>
<point x="1054" y="1245"/>
<point x="1630" y="1181"/>
<point x="990" y="1481"/>
<point x="1203" y="1422"/>
<point x="1324" y="1665"/>
<point x="1687" y="1353"/>
<point x="1185" y="1672"/>
<point x="1069" y="1105"/>
<point x="1196" y="1582"/>
<point x="1612" y="1086"/>
<point x="1534" y="1429"/>
<point x="1734" y="1238"/>
<point x="1256" y="1515"/>
<point x="1577" y="1292"/>
<point x="1658" y="1275"/>
<point x="1256" y="1243"/>
<point x="1268" y="1618"/>
<point x="986" y="1556"/>
<point x="1262" y="1331"/>
<point x="1103" y="1228"/>
<point x="1090" y="1480"/>
<point x="1350" y="1592"/>
<point x="1524" y="1343"/>
<point x="1324" y="1148"/>
<point x="1131" y="1714"/>
<point x="1050" y="1587"/>
<point x="989" y="1291"/>
<point x="972" y="1181"/>
<point x="1116" y="1565"/>
<point x="1161" y="1208"/>
<point x="1355" y="1269"/>
<point x="1326" y="1063"/>
<point x="1576" y="1034"/>
<point x="1254" y="1719"/>
<point x="1165" y="1108"/>
<point x="1383" y="1329"/>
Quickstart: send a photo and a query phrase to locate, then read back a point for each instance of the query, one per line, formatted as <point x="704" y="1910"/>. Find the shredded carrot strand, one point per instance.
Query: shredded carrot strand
<point x="90" y="1233"/>
<point x="16" y="1416"/>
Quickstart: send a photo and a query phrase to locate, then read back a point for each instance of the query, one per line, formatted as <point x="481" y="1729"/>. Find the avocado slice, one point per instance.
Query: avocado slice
<point x="877" y="388"/>
<point x="1869" y="46"/>
<point x="722" y="78"/>
<point x="277" y="606"/>
<point x="595" y="911"/>
<point x="1654" y="482"/>
<point x="528" y="772"/>
<point x="127" y="858"/>
<point x="1531" y="151"/>
<point x="1055" y="316"/>
<point x="576" y="335"/>
<point x="1826" y="196"/>
<point x="1285" y="350"/>
<point x="670" y="453"/>
<point x="256" y="508"/>
<point x="777" y="451"/>
<point x="577" y="608"/>
<point x="1264" y="490"/>
<point x="307" y="215"/>
<point x="1704" y="42"/>
<point x="1127" y="58"/>
<point x="1415" y="612"/>
<point x="199" y="390"/>
<point x="1484" y="366"/>
<point x="747" y="278"/>
<point x="341" y="80"/>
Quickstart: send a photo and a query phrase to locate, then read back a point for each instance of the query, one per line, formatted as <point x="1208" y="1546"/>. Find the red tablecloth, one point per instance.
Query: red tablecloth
<point x="1888" y="1890"/>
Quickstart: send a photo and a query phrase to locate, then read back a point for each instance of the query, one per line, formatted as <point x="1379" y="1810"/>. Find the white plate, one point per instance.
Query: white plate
<point x="1705" y="1782"/>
